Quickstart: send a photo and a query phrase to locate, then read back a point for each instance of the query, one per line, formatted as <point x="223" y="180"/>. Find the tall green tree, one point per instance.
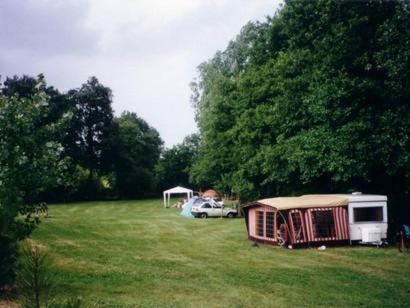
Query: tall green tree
<point x="175" y="163"/>
<point x="83" y="140"/>
<point x="133" y="149"/>
<point x="314" y="99"/>
<point x="30" y="162"/>
<point x="26" y="86"/>
<point x="91" y="123"/>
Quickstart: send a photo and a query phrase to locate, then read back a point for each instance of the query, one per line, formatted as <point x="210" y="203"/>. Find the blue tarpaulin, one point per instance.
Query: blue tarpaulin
<point x="186" y="211"/>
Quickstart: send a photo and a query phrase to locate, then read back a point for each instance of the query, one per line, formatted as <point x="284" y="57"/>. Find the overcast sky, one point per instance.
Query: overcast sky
<point x="146" y="51"/>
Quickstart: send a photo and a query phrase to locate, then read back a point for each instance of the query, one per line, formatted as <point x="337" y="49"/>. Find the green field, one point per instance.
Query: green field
<point x="136" y="253"/>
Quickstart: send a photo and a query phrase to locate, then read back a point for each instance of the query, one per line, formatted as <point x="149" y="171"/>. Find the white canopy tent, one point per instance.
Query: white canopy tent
<point x="176" y="190"/>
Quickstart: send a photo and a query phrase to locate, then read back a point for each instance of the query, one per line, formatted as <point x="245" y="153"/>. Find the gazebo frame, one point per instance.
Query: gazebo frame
<point x="175" y="191"/>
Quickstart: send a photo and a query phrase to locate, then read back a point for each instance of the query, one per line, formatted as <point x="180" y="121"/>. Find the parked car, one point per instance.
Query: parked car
<point x="212" y="209"/>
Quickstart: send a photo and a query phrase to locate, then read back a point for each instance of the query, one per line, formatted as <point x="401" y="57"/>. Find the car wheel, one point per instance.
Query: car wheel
<point x="230" y="215"/>
<point x="204" y="215"/>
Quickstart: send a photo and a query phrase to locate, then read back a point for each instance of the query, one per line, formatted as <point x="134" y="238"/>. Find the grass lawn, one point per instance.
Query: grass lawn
<point x="136" y="253"/>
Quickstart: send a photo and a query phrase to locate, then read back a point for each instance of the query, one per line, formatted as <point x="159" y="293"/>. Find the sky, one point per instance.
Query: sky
<point x="146" y="51"/>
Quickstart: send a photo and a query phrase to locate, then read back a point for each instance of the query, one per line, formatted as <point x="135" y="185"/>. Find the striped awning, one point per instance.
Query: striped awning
<point x="303" y="202"/>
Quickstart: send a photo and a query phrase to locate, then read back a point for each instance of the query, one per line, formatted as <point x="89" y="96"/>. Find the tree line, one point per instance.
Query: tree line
<point x="314" y="99"/>
<point x="105" y="156"/>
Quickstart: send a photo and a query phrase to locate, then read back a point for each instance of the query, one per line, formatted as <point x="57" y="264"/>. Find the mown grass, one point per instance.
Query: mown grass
<point x="136" y="253"/>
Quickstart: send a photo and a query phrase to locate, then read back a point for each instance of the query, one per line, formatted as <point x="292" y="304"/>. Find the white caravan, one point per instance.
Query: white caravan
<point x="367" y="218"/>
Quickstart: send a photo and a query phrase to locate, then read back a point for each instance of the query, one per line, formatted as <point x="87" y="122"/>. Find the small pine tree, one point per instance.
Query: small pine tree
<point x="34" y="277"/>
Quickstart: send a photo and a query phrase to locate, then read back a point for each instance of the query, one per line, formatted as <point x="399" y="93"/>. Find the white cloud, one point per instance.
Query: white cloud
<point x="130" y="17"/>
<point x="146" y="51"/>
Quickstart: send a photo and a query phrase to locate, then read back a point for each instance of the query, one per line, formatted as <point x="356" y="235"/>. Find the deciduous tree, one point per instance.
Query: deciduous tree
<point x="134" y="149"/>
<point x="30" y="162"/>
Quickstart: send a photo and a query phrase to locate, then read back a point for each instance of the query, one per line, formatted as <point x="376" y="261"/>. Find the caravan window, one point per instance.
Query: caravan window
<point x="259" y="223"/>
<point x="365" y="214"/>
<point x="297" y="226"/>
<point x="265" y="225"/>
<point x="324" y="224"/>
<point x="270" y="225"/>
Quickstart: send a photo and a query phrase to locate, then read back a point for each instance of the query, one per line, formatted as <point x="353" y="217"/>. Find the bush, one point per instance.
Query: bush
<point x="8" y="252"/>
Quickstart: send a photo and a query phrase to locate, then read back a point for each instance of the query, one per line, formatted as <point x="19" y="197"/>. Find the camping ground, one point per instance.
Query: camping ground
<point x="136" y="253"/>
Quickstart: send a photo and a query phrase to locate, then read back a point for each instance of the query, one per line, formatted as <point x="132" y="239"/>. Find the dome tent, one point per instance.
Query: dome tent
<point x="210" y="193"/>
